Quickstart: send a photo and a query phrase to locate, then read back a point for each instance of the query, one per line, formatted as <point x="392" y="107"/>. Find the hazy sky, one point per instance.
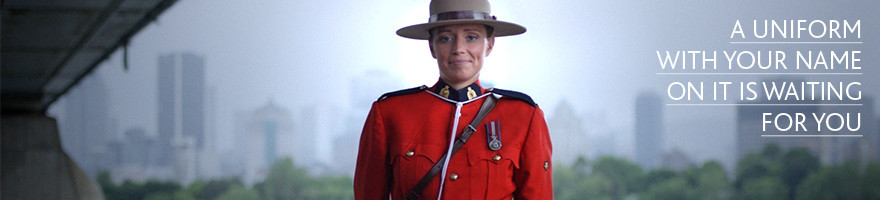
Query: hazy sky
<point x="595" y="54"/>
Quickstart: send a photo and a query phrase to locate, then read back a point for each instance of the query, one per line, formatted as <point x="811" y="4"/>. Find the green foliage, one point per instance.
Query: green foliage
<point x="754" y="166"/>
<point x="284" y="181"/>
<point x="239" y="192"/>
<point x="706" y="182"/>
<point x="711" y="182"/>
<point x="797" y="163"/>
<point x="834" y="182"/>
<point x="131" y="190"/>
<point x="658" y="175"/>
<point x="572" y="182"/>
<point x="214" y="188"/>
<point x="871" y="181"/>
<point x="674" y="188"/>
<point x="330" y="188"/>
<point x="770" y="174"/>
<point x="625" y="177"/>
<point x="767" y="187"/>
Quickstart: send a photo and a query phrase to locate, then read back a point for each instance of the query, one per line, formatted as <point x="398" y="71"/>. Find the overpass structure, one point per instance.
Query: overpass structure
<point x="48" y="46"/>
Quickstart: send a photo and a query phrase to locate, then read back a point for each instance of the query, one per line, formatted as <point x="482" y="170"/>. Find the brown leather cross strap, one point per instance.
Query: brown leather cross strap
<point x="487" y="106"/>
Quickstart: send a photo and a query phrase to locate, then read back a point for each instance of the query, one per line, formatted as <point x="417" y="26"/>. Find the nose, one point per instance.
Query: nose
<point x="458" y="47"/>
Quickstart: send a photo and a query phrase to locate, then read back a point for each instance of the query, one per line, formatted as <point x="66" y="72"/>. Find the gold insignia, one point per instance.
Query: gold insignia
<point x="471" y="94"/>
<point x="546" y="165"/>
<point x="445" y="92"/>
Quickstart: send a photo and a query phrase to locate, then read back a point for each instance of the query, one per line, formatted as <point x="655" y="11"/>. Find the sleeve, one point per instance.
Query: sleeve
<point x="372" y="176"/>
<point x="534" y="179"/>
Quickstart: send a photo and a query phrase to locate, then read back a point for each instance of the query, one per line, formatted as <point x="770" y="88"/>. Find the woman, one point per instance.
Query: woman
<point x="500" y="147"/>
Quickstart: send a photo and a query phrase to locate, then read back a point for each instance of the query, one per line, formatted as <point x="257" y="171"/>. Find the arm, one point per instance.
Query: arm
<point x="533" y="181"/>
<point x="372" y="174"/>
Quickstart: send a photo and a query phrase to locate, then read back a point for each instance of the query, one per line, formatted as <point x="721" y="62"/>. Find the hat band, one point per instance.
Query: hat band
<point x="467" y="14"/>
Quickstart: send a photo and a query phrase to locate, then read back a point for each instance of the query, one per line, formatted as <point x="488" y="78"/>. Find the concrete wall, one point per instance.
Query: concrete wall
<point x="34" y="166"/>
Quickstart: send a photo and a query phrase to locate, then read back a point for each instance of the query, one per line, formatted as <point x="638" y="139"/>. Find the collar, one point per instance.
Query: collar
<point x="469" y="92"/>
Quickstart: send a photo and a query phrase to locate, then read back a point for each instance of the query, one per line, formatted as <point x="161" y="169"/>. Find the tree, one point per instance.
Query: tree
<point x="239" y="192"/>
<point x="871" y="181"/>
<point x="753" y="165"/>
<point x="711" y="182"/>
<point x="658" y="176"/>
<point x="834" y="182"/>
<point x="625" y="177"/>
<point x="214" y="188"/>
<point x="329" y="187"/>
<point x="132" y="190"/>
<point x="797" y="163"/>
<point x="595" y="186"/>
<point x="676" y="188"/>
<point x="284" y="181"/>
<point x="767" y="187"/>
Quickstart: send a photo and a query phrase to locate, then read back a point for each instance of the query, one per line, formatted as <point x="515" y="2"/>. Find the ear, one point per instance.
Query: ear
<point x="431" y="46"/>
<point x="489" y="44"/>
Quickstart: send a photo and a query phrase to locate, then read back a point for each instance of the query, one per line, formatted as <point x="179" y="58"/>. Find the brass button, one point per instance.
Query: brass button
<point x="410" y="153"/>
<point x="453" y="177"/>
<point x="546" y="165"/>
<point x="496" y="157"/>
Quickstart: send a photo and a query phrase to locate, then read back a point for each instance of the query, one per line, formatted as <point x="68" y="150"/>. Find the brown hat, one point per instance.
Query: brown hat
<point x="447" y="12"/>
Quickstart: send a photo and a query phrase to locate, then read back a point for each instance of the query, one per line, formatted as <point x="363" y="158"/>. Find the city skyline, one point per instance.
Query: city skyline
<point x="261" y="51"/>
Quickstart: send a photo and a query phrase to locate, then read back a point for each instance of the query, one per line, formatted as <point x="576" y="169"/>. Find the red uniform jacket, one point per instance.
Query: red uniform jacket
<point x="406" y="133"/>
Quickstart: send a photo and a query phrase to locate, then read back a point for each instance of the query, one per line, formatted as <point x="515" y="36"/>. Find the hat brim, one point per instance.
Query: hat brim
<point x="500" y="28"/>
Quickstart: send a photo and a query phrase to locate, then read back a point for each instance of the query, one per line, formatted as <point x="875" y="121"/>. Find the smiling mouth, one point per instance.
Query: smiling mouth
<point x="459" y="62"/>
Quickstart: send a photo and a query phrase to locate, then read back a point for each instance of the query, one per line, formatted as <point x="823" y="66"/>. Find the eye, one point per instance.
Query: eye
<point x="472" y="37"/>
<point x="444" y="39"/>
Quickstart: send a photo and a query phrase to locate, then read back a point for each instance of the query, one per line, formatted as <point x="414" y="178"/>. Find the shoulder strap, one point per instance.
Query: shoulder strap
<point x="514" y="94"/>
<point x="403" y="92"/>
<point x="487" y="106"/>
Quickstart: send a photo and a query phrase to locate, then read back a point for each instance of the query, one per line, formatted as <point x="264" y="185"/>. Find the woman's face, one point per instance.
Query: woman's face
<point x="459" y="50"/>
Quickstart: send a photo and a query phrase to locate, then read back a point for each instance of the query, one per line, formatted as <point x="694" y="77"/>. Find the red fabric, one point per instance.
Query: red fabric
<point x="422" y="123"/>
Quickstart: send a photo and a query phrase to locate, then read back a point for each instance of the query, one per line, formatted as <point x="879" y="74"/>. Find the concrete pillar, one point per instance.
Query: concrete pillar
<point x="34" y="166"/>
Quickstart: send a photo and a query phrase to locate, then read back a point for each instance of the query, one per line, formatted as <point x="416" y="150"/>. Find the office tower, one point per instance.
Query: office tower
<point x="181" y="104"/>
<point x="649" y="129"/>
<point x="84" y="128"/>
<point x="750" y="127"/>
<point x="568" y="135"/>
<point x="268" y="137"/>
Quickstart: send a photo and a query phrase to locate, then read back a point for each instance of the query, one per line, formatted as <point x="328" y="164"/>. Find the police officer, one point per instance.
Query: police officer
<point x="409" y="135"/>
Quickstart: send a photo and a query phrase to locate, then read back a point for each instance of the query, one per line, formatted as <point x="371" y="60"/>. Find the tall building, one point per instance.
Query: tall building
<point x="84" y="129"/>
<point x="568" y="135"/>
<point x="268" y="136"/>
<point x="750" y="126"/>
<point x="181" y="120"/>
<point x="363" y="91"/>
<point x="842" y="149"/>
<point x="137" y="152"/>
<point x="649" y="129"/>
<point x="137" y="147"/>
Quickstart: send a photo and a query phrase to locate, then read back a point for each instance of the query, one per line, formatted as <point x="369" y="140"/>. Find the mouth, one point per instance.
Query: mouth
<point x="459" y="62"/>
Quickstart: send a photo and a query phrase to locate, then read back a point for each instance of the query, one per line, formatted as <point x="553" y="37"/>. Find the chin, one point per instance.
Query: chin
<point x="462" y="78"/>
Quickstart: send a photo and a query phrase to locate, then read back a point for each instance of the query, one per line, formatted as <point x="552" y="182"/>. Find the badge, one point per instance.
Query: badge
<point x="444" y="92"/>
<point x="493" y="135"/>
<point x="471" y="93"/>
